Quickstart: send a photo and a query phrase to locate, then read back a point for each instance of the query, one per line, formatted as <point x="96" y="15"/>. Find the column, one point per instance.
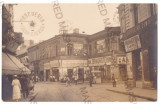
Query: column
<point x="145" y="65"/>
<point x="44" y="75"/>
<point x="129" y="65"/>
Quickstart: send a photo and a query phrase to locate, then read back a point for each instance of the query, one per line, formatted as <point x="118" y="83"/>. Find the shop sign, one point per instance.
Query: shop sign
<point x="132" y="43"/>
<point x="47" y="66"/>
<point x="108" y="60"/>
<point x="54" y="63"/>
<point x="100" y="61"/>
<point x="121" y="60"/>
<point x="74" y="63"/>
<point x="140" y="26"/>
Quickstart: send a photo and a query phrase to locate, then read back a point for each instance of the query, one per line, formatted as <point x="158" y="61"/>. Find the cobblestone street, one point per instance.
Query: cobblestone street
<point x="55" y="91"/>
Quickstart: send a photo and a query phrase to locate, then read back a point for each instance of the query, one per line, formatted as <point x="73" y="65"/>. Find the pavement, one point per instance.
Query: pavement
<point x="55" y="91"/>
<point x="149" y="94"/>
<point x="105" y="92"/>
<point x="120" y="93"/>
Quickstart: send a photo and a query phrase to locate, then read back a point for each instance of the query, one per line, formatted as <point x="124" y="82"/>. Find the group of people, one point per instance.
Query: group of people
<point x="17" y="87"/>
<point x="68" y="80"/>
<point x="75" y="79"/>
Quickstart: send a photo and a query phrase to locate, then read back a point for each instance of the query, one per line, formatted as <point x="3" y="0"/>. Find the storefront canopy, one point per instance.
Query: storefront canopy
<point x="11" y="65"/>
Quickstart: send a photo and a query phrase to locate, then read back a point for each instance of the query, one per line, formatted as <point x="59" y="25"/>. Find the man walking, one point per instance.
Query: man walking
<point x="113" y="80"/>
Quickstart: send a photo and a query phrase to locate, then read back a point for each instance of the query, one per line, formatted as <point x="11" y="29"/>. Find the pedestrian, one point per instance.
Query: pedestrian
<point x="75" y="79"/>
<point x="6" y="88"/>
<point x="50" y="78"/>
<point x="68" y="81"/>
<point x="22" y="82"/>
<point x="90" y="80"/>
<point x="16" y="89"/>
<point x="113" y="80"/>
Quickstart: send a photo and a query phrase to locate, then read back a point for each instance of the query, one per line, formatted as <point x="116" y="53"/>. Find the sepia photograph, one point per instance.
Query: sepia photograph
<point x="79" y="52"/>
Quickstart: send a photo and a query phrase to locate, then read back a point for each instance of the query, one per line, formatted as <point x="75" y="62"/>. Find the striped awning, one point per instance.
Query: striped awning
<point x="11" y="65"/>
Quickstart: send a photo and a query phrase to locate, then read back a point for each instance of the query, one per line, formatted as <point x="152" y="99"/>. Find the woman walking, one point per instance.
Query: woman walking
<point x="16" y="89"/>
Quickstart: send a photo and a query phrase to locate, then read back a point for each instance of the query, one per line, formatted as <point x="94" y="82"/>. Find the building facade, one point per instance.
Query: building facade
<point x="139" y="36"/>
<point x="106" y="55"/>
<point x="60" y="56"/>
<point x="79" y="54"/>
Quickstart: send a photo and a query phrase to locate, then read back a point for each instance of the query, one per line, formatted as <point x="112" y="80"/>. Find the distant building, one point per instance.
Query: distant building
<point x="106" y="55"/>
<point x="59" y="56"/>
<point x="139" y="36"/>
<point x="79" y="54"/>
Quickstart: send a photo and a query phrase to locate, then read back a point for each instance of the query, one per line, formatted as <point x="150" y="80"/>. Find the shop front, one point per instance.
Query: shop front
<point x="104" y="67"/>
<point x="55" y="66"/>
<point x="140" y="44"/>
<point x="76" y="68"/>
<point x="47" y="71"/>
<point x="138" y="62"/>
<point x="121" y="61"/>
<point x="100" y="68"/>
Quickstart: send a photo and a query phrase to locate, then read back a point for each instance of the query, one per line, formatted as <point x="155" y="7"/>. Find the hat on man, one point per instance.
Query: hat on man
<point x="15" y="76"/>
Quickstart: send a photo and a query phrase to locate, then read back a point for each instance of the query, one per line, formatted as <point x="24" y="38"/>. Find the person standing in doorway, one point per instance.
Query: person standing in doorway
<point x="75" y="79"/>
<point x="16" y="89"/>
<point x="113" y="80"/>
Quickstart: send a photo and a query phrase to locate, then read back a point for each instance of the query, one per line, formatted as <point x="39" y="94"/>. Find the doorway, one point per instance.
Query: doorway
<point x="81" y="74"/>
<point x="137" y="70"/>
<point x="70" y="73"/>
<point x="56" y="74"/>
<point x="123" y="72"/>
<point x="47" y="74"/>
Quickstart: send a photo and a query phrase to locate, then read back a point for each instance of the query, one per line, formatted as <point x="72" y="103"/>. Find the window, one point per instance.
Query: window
<point x="77" y="48"/>
<point x="101" y="46"/>
<point x="114" y="43"/>
<point x="144" y="12"/>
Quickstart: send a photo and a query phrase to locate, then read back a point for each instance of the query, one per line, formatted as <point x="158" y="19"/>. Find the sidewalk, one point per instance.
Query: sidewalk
<point x="149" y="94"/>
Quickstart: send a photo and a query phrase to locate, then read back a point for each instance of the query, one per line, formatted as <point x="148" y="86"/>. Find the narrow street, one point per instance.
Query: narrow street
<point x="56" y="91"/>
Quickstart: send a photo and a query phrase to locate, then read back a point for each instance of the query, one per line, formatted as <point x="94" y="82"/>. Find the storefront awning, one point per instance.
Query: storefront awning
<point x="11" y="65"/>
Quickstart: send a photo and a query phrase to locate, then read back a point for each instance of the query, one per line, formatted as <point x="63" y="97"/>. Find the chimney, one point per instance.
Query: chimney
<point x="76" y="30"/>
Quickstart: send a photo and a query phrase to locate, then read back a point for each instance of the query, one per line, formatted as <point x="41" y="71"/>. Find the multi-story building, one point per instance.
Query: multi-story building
<point x="78" y="54"/>
<point x="10" y="42"/>
<point x="59" y="56"/>
<point x="139" y="35"/>
<point x="106" y="55"/>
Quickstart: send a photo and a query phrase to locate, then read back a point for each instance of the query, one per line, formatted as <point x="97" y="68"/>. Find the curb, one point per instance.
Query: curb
<point x="126" y="93"/>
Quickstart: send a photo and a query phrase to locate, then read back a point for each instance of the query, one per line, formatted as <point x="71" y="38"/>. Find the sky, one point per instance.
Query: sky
<point x="86" y="17"/>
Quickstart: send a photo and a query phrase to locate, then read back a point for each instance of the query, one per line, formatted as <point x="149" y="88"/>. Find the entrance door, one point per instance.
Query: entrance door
<point x="47" y="75"/>
<point x="81" y="74"/>
<point x="136" y="65"/>
<point x="102" y="74"/>
<point x="56" y="74"/>
<point x="123" y="72"/>
<point x="108" y="73"/>
<point x="70" y="73"/>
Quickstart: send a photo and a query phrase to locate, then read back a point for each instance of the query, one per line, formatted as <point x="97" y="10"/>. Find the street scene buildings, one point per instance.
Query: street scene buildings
<point x="116" y="61"/>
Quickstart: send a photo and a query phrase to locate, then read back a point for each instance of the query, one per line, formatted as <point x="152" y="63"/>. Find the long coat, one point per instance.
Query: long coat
<point x="16" y="89"/>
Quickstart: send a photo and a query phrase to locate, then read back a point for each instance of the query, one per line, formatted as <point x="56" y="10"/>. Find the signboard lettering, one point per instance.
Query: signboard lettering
<point x="132" y="43"/>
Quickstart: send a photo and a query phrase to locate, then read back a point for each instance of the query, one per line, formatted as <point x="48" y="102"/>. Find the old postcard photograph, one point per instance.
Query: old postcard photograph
<point x="79" y="52"/>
